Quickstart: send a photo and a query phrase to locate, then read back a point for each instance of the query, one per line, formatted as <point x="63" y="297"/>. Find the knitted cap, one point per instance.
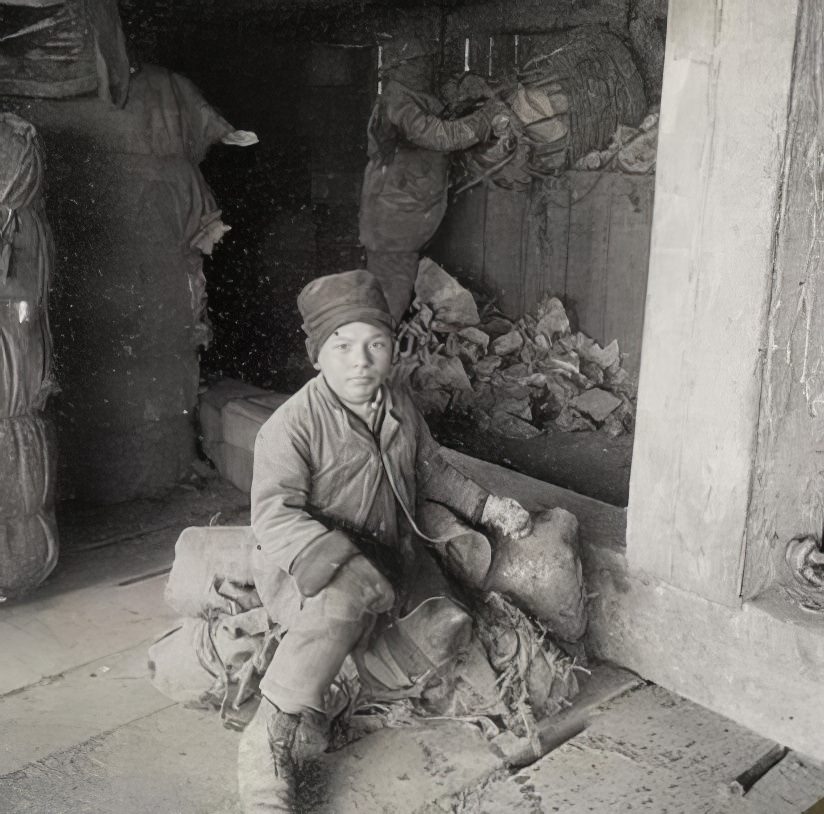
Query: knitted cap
<point x="338" y="299"/>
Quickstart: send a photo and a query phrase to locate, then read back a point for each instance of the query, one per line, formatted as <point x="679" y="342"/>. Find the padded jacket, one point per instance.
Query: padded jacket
<point x="405" y="184"/>
<point x="314" y="457"/>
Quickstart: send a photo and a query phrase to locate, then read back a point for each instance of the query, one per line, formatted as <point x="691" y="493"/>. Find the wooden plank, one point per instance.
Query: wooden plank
<point x="503" y="56"/>
<point x="787" y="484"/>
<point x="552" y="234"/>
<point x="503" y="248"/>
<point x="459" y="243"/>
<point x="588" y="258"/>
<point x="601" y="525"/>
<point x="708" y="291"/>
<point x="648" y="750"/>
<point x="629" y="229"/>
<point x="794" y="785"/>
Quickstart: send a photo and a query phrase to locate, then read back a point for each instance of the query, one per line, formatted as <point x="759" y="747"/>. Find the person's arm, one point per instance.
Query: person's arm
<point x="431" y="132"/>
<point x="287" y="534"/>
<point x="441" y="482"/>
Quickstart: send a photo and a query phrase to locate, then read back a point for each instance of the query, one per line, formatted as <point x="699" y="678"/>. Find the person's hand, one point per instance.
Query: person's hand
<point x="240" y="138"/>
<point x="507" y="517"/>
<point x="493" y="109"/>
<point x="375" y="587"/>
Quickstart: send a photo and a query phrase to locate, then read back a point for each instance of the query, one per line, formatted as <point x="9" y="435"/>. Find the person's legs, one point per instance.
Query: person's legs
<point x="396" y="272"/>
<point x="290" y="722"/>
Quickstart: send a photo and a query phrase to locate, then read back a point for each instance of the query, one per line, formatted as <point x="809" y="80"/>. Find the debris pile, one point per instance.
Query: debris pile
<point x="516" y="379"/>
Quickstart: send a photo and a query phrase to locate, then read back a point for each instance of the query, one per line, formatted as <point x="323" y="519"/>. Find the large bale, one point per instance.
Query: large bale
<point x="28" y="551"/>
<point x="28" y="532"/>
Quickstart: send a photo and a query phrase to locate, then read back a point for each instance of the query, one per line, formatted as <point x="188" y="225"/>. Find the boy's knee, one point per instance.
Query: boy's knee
<point x="358" y="589"/>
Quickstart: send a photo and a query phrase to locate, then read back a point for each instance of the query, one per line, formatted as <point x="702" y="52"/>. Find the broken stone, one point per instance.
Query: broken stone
<point x="453" y="306"/>
<point x="592" y="371"/>
<point x="561" y="360"/>
<point x="542" y="343"/>
<point x="596" y="403"/>
<point x="511" y="426"/>
<point x="469" y="354"/>
<point x="452" y="346"/>
<point x="514" y="406"/>
<point x="529" y="352"/>
<point x="496" y="326"/>
<point x="552" y="318"/>
<point x="504" y="388"/>
<point x="508" y="343"/>
<point x="603" y="357"/>
<point x="475" y="337"/>
<point x="537" y="380"/>
<point x="516" y="371"/>
<point x="613" y="426"/>
<point x="619" y="381"/>
<point x="441" y="381"/>
<point x="486" y="367"/>
<point x="570" y="420"/>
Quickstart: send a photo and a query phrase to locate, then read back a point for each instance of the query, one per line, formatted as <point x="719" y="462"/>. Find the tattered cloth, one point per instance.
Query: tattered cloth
<point x="62" y="48"/>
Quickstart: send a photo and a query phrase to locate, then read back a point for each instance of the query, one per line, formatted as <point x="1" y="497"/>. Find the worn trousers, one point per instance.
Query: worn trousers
<point x="396" y="272"/>
<point x="337" y="622"/>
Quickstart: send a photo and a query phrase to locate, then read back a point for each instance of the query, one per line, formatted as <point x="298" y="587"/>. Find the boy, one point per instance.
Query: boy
<point x="337" y="474"/>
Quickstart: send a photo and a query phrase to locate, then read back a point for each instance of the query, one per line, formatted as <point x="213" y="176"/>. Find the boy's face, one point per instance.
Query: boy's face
<point x="355" y="361"/>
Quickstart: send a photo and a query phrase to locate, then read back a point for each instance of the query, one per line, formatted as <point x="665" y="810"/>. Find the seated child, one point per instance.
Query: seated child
<point x="338" y="471"/>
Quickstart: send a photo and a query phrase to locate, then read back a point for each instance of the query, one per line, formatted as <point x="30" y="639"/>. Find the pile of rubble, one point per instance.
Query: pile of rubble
<point x="516" y="379"/>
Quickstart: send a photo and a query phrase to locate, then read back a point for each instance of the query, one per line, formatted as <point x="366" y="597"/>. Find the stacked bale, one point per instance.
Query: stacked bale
<point x="28" y="531"/>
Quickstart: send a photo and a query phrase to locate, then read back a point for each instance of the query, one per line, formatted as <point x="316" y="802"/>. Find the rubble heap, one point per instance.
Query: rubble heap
<point x="516" y="379"/>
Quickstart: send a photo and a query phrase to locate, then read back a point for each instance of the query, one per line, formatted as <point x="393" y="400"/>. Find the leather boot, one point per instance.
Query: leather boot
<point x="267" y="762"/>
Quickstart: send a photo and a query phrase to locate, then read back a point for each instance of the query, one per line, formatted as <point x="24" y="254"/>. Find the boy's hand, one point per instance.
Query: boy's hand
<point x="507" y="517"/>
<point x="377" y="592"/>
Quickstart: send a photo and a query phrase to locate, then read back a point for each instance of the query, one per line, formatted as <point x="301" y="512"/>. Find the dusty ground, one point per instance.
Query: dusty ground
<point x="84" y="730"/>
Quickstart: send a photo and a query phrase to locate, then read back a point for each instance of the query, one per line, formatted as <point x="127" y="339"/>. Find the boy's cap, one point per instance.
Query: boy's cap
<point x="338" y="299"/>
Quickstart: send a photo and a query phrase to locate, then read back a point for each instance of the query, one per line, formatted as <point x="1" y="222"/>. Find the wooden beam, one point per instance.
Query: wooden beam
<point x="723" y="121"/>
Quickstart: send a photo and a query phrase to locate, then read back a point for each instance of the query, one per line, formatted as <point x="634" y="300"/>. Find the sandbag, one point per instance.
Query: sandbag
<point x="28" y="551"/>
<point x="542" y="573"/>
<point x="205" y="557"/>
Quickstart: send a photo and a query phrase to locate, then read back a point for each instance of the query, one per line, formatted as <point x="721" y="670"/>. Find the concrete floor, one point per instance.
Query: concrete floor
<point x="84" y="730"/>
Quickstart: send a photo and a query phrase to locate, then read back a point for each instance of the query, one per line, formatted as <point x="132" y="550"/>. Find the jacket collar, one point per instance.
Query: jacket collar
<point x="392" y="417"/>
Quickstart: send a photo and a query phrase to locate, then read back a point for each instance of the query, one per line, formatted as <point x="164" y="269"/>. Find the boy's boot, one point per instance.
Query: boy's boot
<point x="267" y="761"/>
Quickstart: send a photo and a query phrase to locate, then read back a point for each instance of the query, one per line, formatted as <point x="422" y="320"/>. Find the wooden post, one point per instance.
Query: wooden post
<point x="788" y="483"/>
<point x="727" y="84"/>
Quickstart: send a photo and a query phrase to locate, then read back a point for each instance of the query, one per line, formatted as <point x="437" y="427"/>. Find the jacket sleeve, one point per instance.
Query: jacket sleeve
<point x="431" y="132"/>
<point x="439" y="481"/>
<point x="287" y="535"/>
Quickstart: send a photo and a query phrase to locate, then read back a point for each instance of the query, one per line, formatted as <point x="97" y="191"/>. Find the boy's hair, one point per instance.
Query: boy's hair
<point x="329" y="302"/>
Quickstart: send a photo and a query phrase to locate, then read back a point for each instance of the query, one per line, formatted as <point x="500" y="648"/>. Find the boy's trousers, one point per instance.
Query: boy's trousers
<point x="329" y="626"/>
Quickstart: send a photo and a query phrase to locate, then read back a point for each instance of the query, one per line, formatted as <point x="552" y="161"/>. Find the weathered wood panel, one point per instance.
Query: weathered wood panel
<point x="459" y="243"/>
<point x="724" y="112"/>
<point x="788" y="483"/>
<point x="504" y="238"/>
